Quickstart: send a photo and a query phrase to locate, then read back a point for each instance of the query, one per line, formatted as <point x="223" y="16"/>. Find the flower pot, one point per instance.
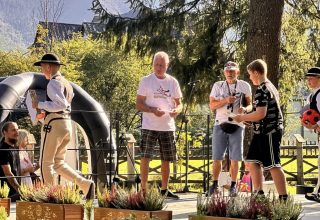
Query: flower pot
<point x="5" y="202"/>
<point x="195" y="217"/>
<point x="117" y="214"/>
<point x="48" y="211"/>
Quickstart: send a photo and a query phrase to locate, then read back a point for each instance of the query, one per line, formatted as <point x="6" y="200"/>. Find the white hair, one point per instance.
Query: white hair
<point x="163" y="55"/>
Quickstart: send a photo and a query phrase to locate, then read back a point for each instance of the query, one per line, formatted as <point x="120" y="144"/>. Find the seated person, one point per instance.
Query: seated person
<point x="9" y="159"/>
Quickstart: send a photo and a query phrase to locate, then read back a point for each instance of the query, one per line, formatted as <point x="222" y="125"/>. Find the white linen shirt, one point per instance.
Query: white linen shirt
<point x="55" y="91"/>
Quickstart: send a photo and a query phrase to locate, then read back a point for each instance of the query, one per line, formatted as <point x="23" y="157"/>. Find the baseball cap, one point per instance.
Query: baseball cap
<point x="230" y="65"/>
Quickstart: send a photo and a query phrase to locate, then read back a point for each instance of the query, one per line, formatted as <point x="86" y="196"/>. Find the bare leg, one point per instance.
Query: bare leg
<point x="144" y="171"/>
<point x="216" y="169"/>
<point x="165" y="172"/>
<point x="234" y="168"/>
<point x="256" y="174"/>
<point x="279" y="180"/>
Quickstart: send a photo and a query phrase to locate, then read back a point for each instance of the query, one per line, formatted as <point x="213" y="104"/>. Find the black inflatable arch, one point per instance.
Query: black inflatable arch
<point x="86" y="111"/>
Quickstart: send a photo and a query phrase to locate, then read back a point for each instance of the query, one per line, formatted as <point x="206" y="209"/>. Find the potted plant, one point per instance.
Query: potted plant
<point x="123" y="204"/>
<point x="49" y="202"/>
<point x="246" y="206"/>
<point x="3" y="213"/>
<point x="4" y="200"/>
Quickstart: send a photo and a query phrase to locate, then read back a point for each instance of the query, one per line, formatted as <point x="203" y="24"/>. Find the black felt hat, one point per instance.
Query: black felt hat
<point x="49" y="58"/>
<point x="314" y="71"/>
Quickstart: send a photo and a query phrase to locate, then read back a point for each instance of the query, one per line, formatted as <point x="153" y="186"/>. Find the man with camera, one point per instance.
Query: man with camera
<point x="228" y="97"/>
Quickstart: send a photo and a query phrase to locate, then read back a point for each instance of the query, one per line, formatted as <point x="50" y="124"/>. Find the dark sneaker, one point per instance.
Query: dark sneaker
<point x="233" y="191"/>
<point x="259" y="194"/>
<point x="213" y="190"/>
<point x="312" y="197"/>
<point x="169" y="194"/>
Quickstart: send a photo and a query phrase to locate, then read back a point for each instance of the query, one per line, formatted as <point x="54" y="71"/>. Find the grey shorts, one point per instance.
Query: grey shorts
<point x="221" y="141"/>
<point x="166" y="141"/>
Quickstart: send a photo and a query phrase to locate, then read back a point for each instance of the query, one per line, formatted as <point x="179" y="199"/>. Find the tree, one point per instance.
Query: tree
<point x="263" y="38"/>
<point x="192" y="32"/>
<point x="50" y="10"/>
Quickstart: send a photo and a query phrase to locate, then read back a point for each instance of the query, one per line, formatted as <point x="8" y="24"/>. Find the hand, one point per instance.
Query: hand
<point x="237" y="118"/>
<point x="41" y="115"/>
<point x="230" y="99"/>
<point x="242" y="110"/>
<point x="174" y="113"/>
<point x="158" y="112"/>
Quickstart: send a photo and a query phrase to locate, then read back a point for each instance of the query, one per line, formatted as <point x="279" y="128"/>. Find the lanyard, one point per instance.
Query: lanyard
<point x="235" y="88"/>
<point x="230" y="106"/>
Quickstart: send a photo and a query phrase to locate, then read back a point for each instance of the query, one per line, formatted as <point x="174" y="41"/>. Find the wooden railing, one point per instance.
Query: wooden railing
<point x="298" y="165"/>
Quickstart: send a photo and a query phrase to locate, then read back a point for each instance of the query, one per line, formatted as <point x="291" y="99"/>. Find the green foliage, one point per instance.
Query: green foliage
<point x="4" y="190"/>
<point x="14" y="62"/>
<point x="112" y="77"/>
<point x="88" y="208"/>
<point x="3" y="213"/>
<point x="192" y="32"/>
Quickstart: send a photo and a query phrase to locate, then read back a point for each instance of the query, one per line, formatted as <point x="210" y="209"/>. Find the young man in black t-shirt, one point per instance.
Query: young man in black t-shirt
<point x="264" y="150"/>
<point x="9" y="159"/>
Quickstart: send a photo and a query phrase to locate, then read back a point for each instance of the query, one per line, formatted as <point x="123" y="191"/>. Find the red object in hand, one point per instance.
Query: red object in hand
<point x="310" y="116"/>
<point x="41" y="115"/>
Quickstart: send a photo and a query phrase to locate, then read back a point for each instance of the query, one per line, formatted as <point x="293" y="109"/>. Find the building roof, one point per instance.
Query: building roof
<point x="63" y="31"/>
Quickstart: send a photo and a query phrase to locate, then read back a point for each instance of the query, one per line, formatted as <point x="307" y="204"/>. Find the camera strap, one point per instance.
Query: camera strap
<point x="232" y="94"/>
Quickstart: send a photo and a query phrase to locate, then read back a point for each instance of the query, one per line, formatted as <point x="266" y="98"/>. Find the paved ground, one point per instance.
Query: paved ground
<point x="186" y="205"/>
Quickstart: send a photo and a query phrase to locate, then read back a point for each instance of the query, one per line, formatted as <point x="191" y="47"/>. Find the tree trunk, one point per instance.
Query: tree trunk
<point x="263" y="42"/>
<point x="264" y="31"/>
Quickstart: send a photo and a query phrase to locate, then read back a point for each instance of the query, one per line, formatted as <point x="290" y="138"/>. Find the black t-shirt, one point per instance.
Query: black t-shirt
<point x="265" y="97"/>
<point x="8" y="157"/>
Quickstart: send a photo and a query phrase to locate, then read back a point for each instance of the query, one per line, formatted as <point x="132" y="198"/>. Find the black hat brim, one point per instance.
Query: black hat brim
<point x="312" y="74"/>
<point x="47" y="61"/>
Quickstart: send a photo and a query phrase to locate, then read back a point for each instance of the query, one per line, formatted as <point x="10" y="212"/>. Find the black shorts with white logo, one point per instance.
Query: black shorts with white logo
<point x="265" y="150"/>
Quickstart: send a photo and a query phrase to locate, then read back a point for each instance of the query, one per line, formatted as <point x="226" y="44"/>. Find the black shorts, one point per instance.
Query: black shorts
<point x="166" y="141"/>
<point x="265" y="150"/>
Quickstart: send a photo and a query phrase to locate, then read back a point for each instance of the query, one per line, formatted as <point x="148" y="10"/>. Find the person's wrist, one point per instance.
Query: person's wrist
<point x="240" y="118"/>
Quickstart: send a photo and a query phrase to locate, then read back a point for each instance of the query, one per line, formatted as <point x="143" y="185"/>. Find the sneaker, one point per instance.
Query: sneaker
<point x="169" y="194"/>
<point x="259" y="194"/>
<point x="213" y="190"/>
<point x="233" y="191"/>
<point x="312" y="197"/>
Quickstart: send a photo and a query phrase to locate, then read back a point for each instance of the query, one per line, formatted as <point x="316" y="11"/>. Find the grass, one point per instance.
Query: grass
<point x="291" y="167"/>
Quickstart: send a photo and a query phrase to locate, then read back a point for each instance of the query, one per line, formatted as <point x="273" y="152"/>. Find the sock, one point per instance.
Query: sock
<point x="233" y="184"/>
<point x="215" y="183"/>
<point x="283" y="197"/>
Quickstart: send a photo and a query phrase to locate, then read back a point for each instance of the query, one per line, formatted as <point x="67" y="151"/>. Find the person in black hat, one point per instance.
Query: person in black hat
<point x="56" y="131"/>
<point x="313" y="102"/>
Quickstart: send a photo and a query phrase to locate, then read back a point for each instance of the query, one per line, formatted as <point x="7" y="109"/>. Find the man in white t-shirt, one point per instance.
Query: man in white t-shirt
<point x="228" y="97"/>
<point x="159" y="98"/>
